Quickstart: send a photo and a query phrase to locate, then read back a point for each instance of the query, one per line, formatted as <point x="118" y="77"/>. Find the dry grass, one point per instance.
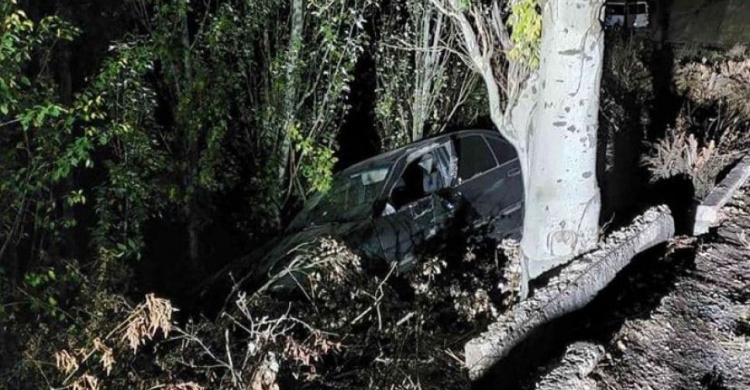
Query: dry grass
<point x="65" y="362"/>
<point x="85" y="382"/>
<point x="347" y="328"/>
<point x="184" y="386"/>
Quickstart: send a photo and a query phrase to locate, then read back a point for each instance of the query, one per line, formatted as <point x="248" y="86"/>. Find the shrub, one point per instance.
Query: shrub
<point x="725" y="81"/>
<point x="711" y="130"/>
<point x="347" y="329"/>
<point x="679" y="153"/>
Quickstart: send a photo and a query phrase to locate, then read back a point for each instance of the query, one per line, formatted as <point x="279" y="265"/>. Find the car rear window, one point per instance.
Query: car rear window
<point x="474" y="156"/>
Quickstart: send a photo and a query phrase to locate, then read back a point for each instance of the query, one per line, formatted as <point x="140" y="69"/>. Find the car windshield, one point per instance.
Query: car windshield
<point x="350" y="198"/>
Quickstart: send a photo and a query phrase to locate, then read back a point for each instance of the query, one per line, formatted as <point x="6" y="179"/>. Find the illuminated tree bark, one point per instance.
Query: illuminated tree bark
<point x="547" y="107"/>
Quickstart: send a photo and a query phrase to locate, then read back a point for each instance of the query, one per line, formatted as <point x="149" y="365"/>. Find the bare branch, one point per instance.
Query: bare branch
<point x="486" y="40"/>
<point x="498" y="26"/>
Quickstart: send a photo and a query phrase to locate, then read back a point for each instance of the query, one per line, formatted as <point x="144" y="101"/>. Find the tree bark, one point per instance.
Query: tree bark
<point x="551" y="119"/>
<point x="428" y="61"/>
<point x="290" y="93"/>
<point x="191" y="146"/>
<point x="562" y="195"/>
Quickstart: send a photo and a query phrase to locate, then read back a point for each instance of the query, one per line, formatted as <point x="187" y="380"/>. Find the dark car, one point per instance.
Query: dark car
<point x="386" y="207"/>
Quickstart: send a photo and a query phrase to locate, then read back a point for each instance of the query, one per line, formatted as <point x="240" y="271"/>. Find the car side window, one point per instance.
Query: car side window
<point x="420" y="178"/>
<point x="502" y="149"/>
<point x="474" y="156"/>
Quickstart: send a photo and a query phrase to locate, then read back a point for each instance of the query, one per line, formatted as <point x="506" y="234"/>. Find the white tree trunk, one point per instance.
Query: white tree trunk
<point x="551" y="119"/>
<point x="562" y="195"/>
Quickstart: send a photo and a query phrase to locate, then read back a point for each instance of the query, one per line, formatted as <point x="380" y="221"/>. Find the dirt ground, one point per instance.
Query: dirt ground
<point x="694" y="331"/>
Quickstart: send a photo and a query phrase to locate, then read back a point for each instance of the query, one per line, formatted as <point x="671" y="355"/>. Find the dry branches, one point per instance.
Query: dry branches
<point x="146" y="320"/>
<point x="142" y="324"/>
<point x="348" y="329"/>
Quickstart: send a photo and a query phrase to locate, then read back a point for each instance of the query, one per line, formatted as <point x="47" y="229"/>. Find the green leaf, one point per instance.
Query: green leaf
<point x="26" y="120"/>
<point x="40" y="117"/>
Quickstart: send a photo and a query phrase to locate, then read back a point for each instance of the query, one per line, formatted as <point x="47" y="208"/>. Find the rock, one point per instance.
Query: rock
<point x="707" y="212"/>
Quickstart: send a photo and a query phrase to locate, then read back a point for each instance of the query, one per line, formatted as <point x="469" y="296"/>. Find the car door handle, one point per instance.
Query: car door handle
<point x="514" y="172"/>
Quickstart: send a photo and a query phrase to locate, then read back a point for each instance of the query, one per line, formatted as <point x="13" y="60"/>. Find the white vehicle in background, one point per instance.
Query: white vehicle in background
<point x="624" y="13"/>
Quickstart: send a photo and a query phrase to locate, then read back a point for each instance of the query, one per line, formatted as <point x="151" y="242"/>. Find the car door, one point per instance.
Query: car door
<point x="402" y="231"/>
<point x="479" y="179"/>
<point x="490" y="184"/>
<point x="508" y="212"/>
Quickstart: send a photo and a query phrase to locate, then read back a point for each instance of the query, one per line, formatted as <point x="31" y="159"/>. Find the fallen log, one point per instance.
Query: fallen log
<point x="576" y="285"/>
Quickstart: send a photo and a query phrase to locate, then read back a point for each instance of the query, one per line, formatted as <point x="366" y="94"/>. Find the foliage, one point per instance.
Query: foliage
<point x="122" y="105"/>
<point x="421" y="85"/>
<point x="342" y="315"/>
<point x="155" y="168"/>
<point x="39" y="147"/>
<point x="215" y="117"/>
<point x="319" y="169"/>
<point x="174" y="123"/>
<point x="21" y="39"/>
<point x="345" y="321"/>
<point x="315" y="84"/>
<point x="625" y="67"/>
<point x="526" y="34"/>
<point x="59" y="306"/>
<point x="624" y="106"/>
<point x="278" y="86"/>
<point x="142" y="324"/>
<point x="726" y="81"/>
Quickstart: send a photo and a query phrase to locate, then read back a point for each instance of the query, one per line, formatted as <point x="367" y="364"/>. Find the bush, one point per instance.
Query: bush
<point x="725" y="82"/>
<point x="679" y="153"/>
<point x="348" y="329"/>
<point x="711" y="129"/>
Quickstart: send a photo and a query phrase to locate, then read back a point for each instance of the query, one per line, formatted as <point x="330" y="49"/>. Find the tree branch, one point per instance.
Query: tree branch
<point x="479" y="43"/>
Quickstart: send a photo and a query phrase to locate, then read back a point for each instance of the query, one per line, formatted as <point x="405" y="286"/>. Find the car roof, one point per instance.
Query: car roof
<point x="390" y="157"/>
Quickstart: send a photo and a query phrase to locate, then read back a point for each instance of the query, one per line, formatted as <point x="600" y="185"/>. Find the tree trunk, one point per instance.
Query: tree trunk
<point x="562" y="195"/>
<point x="65" y="90"/>
<point x="427" y="53"/>
<point x="290" y="93"/>
<point x="191" y="146"/>
<point x="551" y="118"/>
